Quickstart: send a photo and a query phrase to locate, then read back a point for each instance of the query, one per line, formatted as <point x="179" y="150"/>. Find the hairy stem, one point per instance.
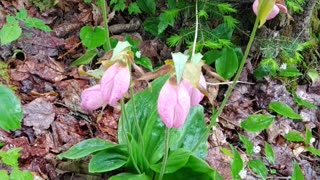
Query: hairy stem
<point x="166" y="152"/>
<point x="231" y="87"/>
<point x="105" y="23"/>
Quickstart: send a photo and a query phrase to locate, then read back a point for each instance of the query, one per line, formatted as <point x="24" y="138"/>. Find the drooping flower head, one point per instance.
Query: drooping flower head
<point x="173" y="104"/>
<point x="91" y="98"/>
<point x="268" y="9"/>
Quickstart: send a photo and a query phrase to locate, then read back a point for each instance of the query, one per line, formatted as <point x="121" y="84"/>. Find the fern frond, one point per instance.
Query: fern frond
<point x="226" y="8"/>
<point x="230" y="21"/>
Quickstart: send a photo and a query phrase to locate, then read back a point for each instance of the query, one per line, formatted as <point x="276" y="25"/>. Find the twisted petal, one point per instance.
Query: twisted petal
<point x="91" y="98"/>
<point x="115" y="83"/>
<point x="195" y="95"/>
<point x="173" y="104"/>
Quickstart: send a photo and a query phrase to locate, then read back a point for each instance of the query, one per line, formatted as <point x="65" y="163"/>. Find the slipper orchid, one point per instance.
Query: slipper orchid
<point x="195" y="95"/>
<point x="173" y="104"/>
<point x="91" y="98"/>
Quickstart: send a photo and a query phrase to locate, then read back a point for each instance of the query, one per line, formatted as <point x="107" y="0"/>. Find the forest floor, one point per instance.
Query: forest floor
<point x="53" y="121"/>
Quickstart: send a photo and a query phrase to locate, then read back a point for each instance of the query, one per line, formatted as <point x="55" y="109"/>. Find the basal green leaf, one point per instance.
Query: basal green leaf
<point x="247" y="143"/>
<point x="85" y="58"/>
<point x="195" y="168"/>
<point x="227" y="63"/>
<point x="130" y="176"/>
<point x="92" y="37"/>
<point x="269" y="153"/>
<point x="10" y="32"/>
<point x="109" y="159"/>
<point x="10" y="109"/>
<point x="258" y="167"/>
<point x="85" y="148"/>
<point x="313" y="151"/>
<point x="176" y="160"/>
<point x="302" y="102"/>
<point x="297" y="173"/>
<point x="180" y="61"/>
<point x="236" y="164"/>
<point x="294" y="136"/>
<point x="284" y="110"/>
<point x="257" y="122"/>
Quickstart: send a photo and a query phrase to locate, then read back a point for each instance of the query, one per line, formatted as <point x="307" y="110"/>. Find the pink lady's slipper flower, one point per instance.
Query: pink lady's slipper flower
<point x="115" y="82"/>
<point x="195" y="95"/>
<point x="91" y="98"/>
<point x="278" y="6"/>
<point x="173" y="104"/>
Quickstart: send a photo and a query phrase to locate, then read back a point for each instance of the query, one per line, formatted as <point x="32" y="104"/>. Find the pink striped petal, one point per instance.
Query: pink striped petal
<point x="173" y="104"/>
<point x="91" y="98"/>
<point x="115" y="83"/>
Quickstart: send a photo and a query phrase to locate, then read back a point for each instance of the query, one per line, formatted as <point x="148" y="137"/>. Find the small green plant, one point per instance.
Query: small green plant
<point x="43" y="4"/>
<point x="11" y="31"/>
<point x="10" y="159"/>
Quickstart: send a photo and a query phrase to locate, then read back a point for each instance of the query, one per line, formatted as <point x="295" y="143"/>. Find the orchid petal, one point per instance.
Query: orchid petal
<point x="91" y="98"/>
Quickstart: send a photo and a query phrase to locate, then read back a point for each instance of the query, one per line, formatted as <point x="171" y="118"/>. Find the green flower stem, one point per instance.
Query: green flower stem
<point x="138" y="129"/>
<point x="105" y="23"/>
<point x="196" y="31"/>
<point x="123" y="110"/>
<point x="228" y="93"/>
<point x="166" y="152"/>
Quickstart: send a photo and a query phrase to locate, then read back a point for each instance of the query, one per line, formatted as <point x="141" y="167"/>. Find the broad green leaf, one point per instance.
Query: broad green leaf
<point x="247" y="143"/>
<point x="22" y="14"/>
<point x="294" y="136"/>
<point x="109" y="159"/>
<point x="137" y="156"/>
<point x="10" y="108"/>
<point x="223" y="31"/>
<point x="257" y="122"/>
<point x="211" y="56"/>
<point x="195" y="168"/>
<point x="302" y="102"/>
<point x="180" y="61"/>
<point x="151" y="25"/>
<point x="144" y="62"/>
<point x="226" y="152"/>
<point x="11" y="157"/>
<point x="16" y="174"/>
<point x="85" y="148"/>
<point x="148" y="6"/>
<point x="284" y="110"/>
<point x="308" y="136"/>
<point x="85" y="58"/>
<point x="227" y="63"/>
<point x="313" y="151"/>
<point x="4" y="175"/>
<point x="269" y="153"/>
<point x="265" y="7"/>
<point x="134" y="8"/>
<point x="176" y="160"/>
<point x="10" y="32"/>
<point x="37" y="23"/>
<point x="167" y="18"/>
<point x="313" y="75"/>
<point x="258" y="167"/>
<point x="92" y="37"/>
<point x="119" y="5"/>
<point x="236" y="164"/>
<point x="130" y="176"/>
<point x="297" y="173"/>
<point x="153" y="129"/>
<point x="290" y="72"/>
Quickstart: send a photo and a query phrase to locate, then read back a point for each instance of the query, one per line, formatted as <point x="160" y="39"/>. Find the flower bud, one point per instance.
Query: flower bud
<point x="173" y="104"/>
<point x="91" y="98"/>
<point x="195" y="95"/>
<point x="115" y="82"/>
<point x="278" y="6"/>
